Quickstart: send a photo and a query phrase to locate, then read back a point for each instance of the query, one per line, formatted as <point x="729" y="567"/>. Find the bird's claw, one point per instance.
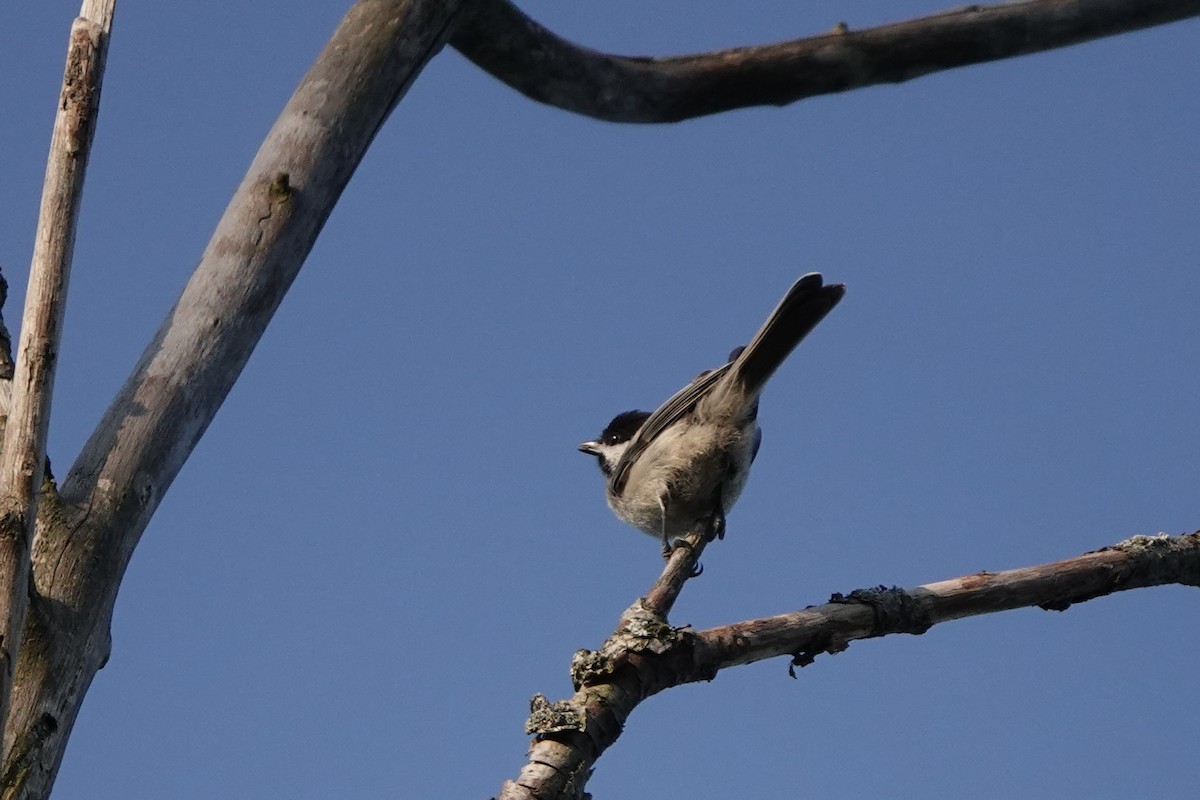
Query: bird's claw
<point x="669" y="550"/>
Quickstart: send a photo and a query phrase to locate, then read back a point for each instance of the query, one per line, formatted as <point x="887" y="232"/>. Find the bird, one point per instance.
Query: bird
<point x="685" y="464"/>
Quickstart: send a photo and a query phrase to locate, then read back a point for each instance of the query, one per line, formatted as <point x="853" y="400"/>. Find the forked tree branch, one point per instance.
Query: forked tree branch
<point x="82" y="546"/>
<point x="24" y="445"/>
<point x="501" y="39"/>
<point x="646" y="655"/>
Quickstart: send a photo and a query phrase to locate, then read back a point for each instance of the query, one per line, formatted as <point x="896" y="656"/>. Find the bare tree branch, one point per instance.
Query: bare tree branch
<point x="82" y="546"/>
<point x="645" y="655"/>
<point x="517" y="50"/>
<point x="24" y="445"/>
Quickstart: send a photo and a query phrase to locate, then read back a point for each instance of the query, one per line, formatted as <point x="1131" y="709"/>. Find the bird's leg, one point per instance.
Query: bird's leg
<point x="668" y="547"/>
<point x="716" y="522"/>
<point x="662" y="509"/>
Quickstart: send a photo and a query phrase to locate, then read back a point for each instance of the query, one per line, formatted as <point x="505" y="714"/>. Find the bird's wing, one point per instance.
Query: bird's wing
<point x="680" y="404"/>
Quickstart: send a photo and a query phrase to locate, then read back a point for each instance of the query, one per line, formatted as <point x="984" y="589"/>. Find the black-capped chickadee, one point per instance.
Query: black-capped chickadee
<point x="686" y="463"/>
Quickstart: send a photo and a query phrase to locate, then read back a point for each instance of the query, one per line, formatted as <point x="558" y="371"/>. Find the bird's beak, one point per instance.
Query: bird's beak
<point x="591" y="448"/>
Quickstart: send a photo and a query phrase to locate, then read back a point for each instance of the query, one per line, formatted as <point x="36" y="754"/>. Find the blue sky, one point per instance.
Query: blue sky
<point x="386" y="542"/>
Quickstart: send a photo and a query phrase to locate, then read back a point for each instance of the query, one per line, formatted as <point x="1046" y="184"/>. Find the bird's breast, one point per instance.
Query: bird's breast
<point x="686" y="469"/>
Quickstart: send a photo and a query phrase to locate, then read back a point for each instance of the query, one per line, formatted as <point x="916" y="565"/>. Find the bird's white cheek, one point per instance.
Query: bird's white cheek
<point x="612" y="453"/>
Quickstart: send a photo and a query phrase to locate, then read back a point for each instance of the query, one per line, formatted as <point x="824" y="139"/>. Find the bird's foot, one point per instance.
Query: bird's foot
<point x="669" y="550"/>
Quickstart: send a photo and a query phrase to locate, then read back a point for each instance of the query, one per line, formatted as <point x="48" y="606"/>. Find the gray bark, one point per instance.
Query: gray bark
<point x="86" y="535"/>
<point x="23" y="455"/>
<point x="517" y="50"/>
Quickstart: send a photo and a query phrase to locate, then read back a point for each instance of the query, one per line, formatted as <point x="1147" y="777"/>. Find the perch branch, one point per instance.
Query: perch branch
<point x="682" y="564"/>
<point x="502" y="40"/>
<point x="1133" y="564"/>
<point x="644" y="657"/>
<point x="24" y="445"/>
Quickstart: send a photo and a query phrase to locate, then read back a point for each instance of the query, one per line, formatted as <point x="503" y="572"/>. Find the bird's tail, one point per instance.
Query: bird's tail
<point x="804" y="305"/>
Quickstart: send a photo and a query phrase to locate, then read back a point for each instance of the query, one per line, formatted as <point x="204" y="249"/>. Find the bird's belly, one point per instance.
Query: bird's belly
<point x="705" y="464"/>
